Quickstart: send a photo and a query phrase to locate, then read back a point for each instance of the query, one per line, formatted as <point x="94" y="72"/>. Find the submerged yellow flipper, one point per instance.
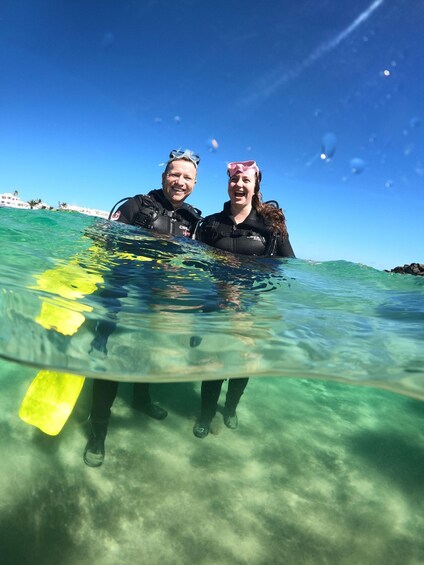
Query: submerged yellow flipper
<point x="50" y="400"/>
<point x="51" y="396"/>
<point x="60" y="311"/>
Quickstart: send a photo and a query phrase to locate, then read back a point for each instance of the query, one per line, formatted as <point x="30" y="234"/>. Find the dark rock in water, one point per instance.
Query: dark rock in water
<point x="412" y="269"/>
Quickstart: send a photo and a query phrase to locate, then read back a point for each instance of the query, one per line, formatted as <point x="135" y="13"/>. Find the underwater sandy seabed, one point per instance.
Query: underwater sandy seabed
<point x="317" y="472"/>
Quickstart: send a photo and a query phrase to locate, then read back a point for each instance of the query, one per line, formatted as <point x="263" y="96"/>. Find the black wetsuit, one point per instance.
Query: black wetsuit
<point x="253" y="236"/>
<point x="151" y="211"/>
<point x="154" y="211"/>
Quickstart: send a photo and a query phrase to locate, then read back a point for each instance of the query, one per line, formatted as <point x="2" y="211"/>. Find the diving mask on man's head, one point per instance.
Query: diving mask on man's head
<point x="184" y="154"/>
<point x="242" y="167"/>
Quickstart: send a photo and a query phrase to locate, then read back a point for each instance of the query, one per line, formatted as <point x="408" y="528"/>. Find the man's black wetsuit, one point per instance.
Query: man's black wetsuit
<point x="251" y="237"/>
<point x="151" y="211"/>
<point x="154" y="211"/>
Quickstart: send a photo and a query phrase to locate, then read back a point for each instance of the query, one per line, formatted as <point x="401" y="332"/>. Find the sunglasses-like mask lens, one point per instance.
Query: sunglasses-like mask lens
<point x="179" y="154"/>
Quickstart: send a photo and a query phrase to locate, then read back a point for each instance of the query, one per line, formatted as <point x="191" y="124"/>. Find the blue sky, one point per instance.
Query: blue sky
<point x="95" y="94"/>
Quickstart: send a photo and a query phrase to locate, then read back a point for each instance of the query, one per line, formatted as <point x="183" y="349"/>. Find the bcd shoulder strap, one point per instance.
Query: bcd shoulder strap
<point x="195" y="212"/>
<point x="117" y="204"/>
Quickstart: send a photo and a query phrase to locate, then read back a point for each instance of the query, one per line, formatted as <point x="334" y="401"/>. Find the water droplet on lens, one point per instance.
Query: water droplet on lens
<point x="357" y="165"/>
<point x="212" y="145"/>
<point x="415" y="122"/>
<point x="108" y="39"/>
<point x="329" y="142"/>
<point x="408" y="149"/>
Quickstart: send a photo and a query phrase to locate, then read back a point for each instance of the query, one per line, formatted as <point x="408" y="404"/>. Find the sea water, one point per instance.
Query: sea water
<point x="319" y="471"/>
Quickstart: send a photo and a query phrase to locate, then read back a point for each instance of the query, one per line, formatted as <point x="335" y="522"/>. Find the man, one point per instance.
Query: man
<point x="164" y="211"/>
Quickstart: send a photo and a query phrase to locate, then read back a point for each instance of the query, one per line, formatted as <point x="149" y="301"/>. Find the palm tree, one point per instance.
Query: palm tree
<point x="32" y="203"/>
<point x="62" y="205"/>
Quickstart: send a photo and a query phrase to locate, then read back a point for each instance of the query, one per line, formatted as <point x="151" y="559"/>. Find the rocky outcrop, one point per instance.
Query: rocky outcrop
<point x="412" y="269"/>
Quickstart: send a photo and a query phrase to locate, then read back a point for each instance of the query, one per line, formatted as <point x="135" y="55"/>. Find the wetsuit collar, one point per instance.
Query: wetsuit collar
<point x="160" y="197"/>
<point x="253" y="216"/>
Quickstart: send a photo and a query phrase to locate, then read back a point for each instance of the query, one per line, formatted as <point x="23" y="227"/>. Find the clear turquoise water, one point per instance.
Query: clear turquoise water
<point x="317" y="472"/>
<point x="283" y="318"/>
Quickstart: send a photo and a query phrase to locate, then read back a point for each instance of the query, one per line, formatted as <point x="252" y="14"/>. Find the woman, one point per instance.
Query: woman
<point x="246" y="226"/>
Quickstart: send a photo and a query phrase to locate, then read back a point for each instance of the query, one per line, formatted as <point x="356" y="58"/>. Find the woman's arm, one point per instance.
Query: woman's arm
<point x="284" y="248"/>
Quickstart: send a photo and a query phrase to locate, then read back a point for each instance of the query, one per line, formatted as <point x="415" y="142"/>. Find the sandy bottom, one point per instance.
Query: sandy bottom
<point x="316" y="473"/>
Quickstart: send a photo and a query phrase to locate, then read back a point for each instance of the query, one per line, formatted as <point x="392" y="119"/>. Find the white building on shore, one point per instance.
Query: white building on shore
<point x="12" y="200"/>
<point x="87" y="211"/>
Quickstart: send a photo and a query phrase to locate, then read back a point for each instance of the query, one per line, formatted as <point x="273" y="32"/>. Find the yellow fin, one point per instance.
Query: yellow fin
<point x="50" y="400"/>
<point x="68" y="281"/>
<point x="63" y="319"/>
<point x="51" y="396"/>
<point x="66" y="284"/>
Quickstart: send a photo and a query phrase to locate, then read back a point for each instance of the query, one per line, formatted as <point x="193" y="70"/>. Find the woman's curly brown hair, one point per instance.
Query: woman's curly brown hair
<point x="273" y="216"/>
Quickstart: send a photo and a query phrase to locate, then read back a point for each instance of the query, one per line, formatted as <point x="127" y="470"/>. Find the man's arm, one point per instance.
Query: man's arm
<point x="127" y="212"/>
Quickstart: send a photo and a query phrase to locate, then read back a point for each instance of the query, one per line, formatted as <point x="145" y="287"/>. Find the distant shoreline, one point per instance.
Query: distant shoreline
<point x="416" y="269"/>
<point x="80" y="210"/>
<point x="13" y="201"/>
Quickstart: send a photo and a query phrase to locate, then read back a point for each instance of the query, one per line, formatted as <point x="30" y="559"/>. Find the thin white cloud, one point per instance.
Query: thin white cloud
<point x="273" y="83"/>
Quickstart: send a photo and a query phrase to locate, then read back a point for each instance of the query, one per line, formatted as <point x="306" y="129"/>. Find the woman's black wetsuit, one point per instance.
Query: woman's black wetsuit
<point x="253" y="236"/>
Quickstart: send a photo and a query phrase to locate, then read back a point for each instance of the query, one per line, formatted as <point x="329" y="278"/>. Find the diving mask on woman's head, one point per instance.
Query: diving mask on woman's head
<point x="242" y="167"/>
<point x="186" y="154"/>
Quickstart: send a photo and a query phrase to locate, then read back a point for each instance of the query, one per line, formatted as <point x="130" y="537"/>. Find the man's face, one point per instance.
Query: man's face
<point x="178" y="182"/>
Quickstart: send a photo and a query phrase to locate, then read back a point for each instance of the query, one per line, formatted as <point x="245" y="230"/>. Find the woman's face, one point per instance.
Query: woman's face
<point x="241" y="188"/>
